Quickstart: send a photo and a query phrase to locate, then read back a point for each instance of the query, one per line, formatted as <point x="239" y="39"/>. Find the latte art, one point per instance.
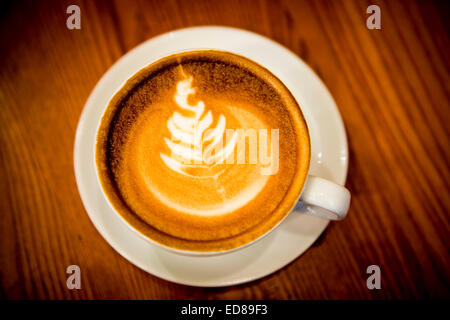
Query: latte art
<point x="203" y="151"/>
<point x="197" y="152"/>
<point x="195" y="146"/>
<point x="188" y="137"/>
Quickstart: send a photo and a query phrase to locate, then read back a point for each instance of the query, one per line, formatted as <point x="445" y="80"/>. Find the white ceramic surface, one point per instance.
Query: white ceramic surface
<point x="292" y="237"/>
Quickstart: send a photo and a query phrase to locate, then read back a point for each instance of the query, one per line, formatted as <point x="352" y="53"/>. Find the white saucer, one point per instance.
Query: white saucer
<point x="292" y="237"/>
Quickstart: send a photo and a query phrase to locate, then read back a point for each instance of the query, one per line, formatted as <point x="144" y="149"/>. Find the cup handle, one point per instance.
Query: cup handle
<point x="325" y="199"/>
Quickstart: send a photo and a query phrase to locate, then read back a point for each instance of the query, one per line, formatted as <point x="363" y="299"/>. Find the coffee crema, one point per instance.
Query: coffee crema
<point x="203" y="151"/>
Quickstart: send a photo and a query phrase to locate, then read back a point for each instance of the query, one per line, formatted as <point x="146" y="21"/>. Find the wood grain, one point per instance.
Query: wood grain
<point x="391" y="85"/>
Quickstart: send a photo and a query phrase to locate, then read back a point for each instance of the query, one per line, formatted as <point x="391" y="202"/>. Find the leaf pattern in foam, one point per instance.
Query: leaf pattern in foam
<point x="188" y="138"/>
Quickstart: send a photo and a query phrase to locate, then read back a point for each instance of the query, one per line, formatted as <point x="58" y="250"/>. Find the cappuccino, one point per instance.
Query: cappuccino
<point x="203" y="151"/>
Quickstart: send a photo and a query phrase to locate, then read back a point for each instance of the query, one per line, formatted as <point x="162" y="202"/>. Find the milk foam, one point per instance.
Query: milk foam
<point x="227" y="206"/>
<point x="193" y="138"/>
<point x="190" y="135"/>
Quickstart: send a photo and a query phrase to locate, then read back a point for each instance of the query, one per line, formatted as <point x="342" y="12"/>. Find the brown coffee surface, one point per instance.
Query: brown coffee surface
<point x="143" y="140"/>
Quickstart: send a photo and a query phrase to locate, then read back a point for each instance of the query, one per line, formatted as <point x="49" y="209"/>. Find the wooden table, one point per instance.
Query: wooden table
<point x="391" y="85"/>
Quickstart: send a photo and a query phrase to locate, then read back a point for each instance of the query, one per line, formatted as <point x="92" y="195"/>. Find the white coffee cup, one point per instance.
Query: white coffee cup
<point x="319" y="197"/>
